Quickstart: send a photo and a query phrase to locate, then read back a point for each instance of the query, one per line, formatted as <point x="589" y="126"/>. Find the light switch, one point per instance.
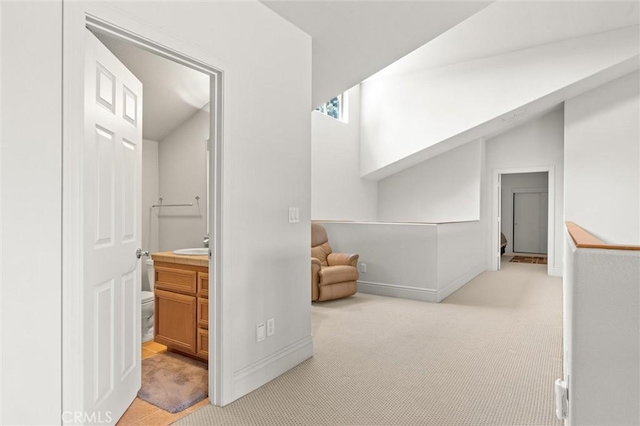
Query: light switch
<point x="294" y="215"/>
<point x="260" y="332"/>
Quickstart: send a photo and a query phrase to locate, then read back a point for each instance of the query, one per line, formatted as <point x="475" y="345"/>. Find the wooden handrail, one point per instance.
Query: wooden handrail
<point x="583" y="239"/>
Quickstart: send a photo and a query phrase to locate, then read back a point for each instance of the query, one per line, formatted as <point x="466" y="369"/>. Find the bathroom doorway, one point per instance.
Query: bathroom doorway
<point x="174" y="199"/>
<point x="102" y="181"/>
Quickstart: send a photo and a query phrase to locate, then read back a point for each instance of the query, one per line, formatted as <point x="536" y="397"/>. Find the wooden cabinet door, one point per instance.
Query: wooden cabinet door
<point x="203" y="313"/>
<point x="175" y="320"/>
<point x="203" y="343"/>
<point x="203" y="284"/>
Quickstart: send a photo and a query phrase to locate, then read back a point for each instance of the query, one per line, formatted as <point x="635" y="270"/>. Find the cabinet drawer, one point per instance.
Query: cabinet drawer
<point x="175" y="320"/>
<point x="203" y="343"/>
<point x="203" y="284"/>
<point x="181" y="280"/>
<point x="203" y="312"/>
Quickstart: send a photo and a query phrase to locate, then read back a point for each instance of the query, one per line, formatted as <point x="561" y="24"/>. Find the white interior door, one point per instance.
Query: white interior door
<point x="529" y="222"/>
<point x="112" y="214"/>
<point x="544" y="222"/>
<point x="499" y="236"/>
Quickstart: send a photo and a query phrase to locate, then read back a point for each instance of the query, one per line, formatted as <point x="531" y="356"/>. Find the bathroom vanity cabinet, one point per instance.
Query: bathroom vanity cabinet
<point x="182" y="303"/>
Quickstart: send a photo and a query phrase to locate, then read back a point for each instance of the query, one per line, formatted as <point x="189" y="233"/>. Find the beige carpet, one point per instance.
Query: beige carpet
<point x="173" y="382"/>
<point x="487" y="355"/>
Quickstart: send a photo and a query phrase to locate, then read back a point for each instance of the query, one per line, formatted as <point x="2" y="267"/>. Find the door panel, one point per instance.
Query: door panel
<point x="111" y="190"/>
<point x="104" y="183"/>
<point x="127" y="334"/>
<point x="544" y="222"/>
<point x="529" y="217"/>
<point x="499" y="236"/>
<point x="103" y="355"/>
<point x="130" y="156"/>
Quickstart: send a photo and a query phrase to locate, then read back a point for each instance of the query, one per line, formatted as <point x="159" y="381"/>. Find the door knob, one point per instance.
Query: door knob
<point x="140" y="253"/>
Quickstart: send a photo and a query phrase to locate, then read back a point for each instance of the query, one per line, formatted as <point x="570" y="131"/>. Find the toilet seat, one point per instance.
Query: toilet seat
<point x="147" y="296"/>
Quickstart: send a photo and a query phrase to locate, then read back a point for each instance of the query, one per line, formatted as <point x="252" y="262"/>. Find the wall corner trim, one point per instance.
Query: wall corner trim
<point x="263" y="371"/>
<point x="400" y="291"/>
<point x="459" y="282"/>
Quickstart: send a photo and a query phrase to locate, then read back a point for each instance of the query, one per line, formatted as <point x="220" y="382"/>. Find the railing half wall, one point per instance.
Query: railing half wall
<point x="601" y="338"/>
<point x="419" y="261"/>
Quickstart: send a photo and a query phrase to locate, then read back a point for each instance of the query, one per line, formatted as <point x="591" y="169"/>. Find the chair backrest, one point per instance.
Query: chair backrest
<point x="318" y="234"/>
<point x="320" y="247"/>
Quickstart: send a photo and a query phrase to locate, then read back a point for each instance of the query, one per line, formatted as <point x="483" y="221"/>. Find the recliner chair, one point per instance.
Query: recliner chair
<point x="333" y="275"/>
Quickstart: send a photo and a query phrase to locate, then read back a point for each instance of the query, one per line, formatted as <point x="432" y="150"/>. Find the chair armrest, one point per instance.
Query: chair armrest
<point x="315" y="279"/>
<point x="335" y="259"/>
<point x="315" y="268"/>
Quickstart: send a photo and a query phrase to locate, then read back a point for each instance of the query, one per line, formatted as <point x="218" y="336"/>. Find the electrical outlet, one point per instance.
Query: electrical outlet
<point x="271" y="327"/>
<point x="260" y="332"/>
<point x="363" y="268"/>
<point x="294" y="215"/>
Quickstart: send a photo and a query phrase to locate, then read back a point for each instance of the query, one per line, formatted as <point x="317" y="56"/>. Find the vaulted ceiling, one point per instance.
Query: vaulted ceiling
<point x="509" y="26"/>
<point x="354" y="39"/>
<point x="438" y="74"/>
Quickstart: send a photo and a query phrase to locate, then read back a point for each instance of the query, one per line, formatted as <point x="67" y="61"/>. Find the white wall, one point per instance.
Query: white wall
<point x="461" y="255"/>
<point x="539" y="142"/>
<point x="30" y="172"/>
<point x="182" y="175"/>
<point x="602" y="336"/>
<point x="150" y="196"/>
<point x="510" y="183"/>
<point x="424" y="262"/>
<point x="337" y="190"/>
<point x="445" y="188"/>
<point x="401" y="258"/>
<point x="266" y="162"/>
<point x="411" y="117"/>
<point x="602" y="161"/>
<point x="265" y="58"/>
<point x="265" y="149"/>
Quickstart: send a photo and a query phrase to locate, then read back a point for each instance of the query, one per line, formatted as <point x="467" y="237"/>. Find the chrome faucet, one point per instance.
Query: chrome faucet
<point x="205" y="240"/>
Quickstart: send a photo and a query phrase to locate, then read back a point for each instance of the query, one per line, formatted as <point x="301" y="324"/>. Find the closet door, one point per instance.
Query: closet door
<point x="530" y="222"/>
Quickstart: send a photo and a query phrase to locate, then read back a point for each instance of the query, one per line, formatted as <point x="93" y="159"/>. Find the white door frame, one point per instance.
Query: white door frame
<point x="76" y="17"/>
<point x="495" y="213"/>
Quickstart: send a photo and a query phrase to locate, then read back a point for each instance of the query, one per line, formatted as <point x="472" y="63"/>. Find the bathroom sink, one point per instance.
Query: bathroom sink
<point x="192" y="251"/>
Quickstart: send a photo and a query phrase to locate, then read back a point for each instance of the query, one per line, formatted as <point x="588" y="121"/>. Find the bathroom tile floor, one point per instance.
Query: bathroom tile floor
<point x="141" y="413"/>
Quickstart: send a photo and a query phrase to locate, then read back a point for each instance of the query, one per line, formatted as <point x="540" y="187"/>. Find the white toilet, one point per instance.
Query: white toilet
<point x="147" y="305"/>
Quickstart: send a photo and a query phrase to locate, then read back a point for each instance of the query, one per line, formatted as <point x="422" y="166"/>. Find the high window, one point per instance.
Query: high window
<point x="333" y="108"/>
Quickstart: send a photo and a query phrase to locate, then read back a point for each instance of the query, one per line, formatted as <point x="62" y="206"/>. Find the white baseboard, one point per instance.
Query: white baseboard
<point x="556" y="271"/>
<point x="400" y="291"/>
<point x="261" y="372"/>
<point x="460" y="281"/>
